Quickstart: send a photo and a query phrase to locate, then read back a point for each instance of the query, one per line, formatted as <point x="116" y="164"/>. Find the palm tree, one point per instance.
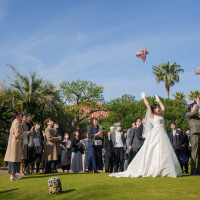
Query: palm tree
<point x="167" y="73"/>
<point x="194" y="95"/>
<point x="29" y="93"/>
<point x="179" y="96"/>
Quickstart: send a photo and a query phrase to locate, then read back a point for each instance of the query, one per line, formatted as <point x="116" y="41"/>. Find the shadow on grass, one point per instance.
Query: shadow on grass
<point x="54" y="174"/>
<point x="68" y="191"/>
<point x="5" y="191"/>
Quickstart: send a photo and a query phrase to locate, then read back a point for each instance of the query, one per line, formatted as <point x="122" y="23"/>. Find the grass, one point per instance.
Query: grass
<point x="100" y="186"/>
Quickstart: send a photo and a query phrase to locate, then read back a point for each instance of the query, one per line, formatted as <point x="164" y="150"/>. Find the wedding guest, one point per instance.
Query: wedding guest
<point x="76" y="159"/>
<point x="194" y="123"/>
<point x="175" y="138"/>
<point x="135" y="140"/>
<point x="38" y="140"/>
<point x="50" y="146"/>
<point x="66" y="153"/>
<point x="94" y="157"/>
<point x="108" y="146"/>
<point x="85" y="149"/>
<point x="14" y="149"/>
<point x="180" y="129"/>
<point x="127" y="153"/>
<point x="118" y="141"/>
<point x="184" y="153"/>
<point x="30" y="160"/>
<point x="58" y="133"/>
<point x="24" y="145"/>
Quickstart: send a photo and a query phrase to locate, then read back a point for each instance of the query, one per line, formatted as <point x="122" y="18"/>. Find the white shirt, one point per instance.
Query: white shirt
<point x="174" y="132"/>
<point x="118" y="140"/>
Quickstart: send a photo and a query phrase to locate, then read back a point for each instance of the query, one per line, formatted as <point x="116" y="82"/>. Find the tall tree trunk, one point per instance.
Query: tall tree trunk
<point x="167" y="90"/>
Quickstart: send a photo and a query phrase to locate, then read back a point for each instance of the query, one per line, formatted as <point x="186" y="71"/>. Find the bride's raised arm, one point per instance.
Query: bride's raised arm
<point x="161" y="105"/>
<point x="143" y="96"/>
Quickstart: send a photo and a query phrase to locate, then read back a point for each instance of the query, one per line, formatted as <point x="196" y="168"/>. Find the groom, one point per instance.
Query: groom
<point x="194" y="123"/>
<point x="175" y="138"/>
<point x="135" y="139"/>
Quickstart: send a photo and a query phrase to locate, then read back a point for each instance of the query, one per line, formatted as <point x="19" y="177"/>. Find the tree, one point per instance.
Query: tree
<point x="126" y="109"/>
<point x="180" y="96"/>
<point x="167" y="73"/>
<point x="30" y="94"/>
<point x="80" y="100"/>
<point x="194" y="95"/>
<point x="5" y="121"/>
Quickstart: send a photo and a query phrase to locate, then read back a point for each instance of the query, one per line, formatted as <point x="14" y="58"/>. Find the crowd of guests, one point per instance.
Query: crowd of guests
<point x="31" y="150"/>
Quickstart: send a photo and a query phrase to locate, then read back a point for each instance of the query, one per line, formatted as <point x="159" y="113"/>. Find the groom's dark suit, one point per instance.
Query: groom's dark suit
<point x="135" y="140"/>
<point x="175" y="138"/>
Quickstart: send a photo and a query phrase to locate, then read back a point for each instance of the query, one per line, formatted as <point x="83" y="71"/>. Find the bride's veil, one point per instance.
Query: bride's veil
<point x="147" y="126"/>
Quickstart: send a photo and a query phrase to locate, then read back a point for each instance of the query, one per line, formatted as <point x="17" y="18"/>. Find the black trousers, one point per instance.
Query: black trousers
<point x="118" y="156"/>
<point x="109" y="164"/>
<point x="178" y="154"/>
<point x="49" y="167"/>
<point x="132" y="154"/>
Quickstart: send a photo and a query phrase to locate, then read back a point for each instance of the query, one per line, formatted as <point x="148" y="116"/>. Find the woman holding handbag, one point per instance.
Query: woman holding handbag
<point x="94" y="157"/>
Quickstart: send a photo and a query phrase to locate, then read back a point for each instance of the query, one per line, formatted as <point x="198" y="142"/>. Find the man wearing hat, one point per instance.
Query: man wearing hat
<point x="193" y="119"/>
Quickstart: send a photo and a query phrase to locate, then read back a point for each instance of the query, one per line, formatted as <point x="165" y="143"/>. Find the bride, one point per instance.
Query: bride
<point x="156" y="158"/>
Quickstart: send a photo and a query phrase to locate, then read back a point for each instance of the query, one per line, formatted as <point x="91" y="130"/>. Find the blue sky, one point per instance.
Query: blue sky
<point x="97" y="40"/>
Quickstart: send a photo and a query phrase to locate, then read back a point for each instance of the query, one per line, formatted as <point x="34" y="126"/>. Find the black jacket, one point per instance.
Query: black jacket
<point x="178" y="138"/>
<point x="75" y="147"/>
<point x="108" y="146"/>
<point x="185" y="144"/>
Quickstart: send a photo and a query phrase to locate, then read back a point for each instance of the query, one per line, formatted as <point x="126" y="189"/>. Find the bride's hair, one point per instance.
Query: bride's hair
<point x="153" y="107"/>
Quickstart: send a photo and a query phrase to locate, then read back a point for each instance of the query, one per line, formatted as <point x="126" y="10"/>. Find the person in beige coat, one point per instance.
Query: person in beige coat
<point x="51" y="142"/>
<point x="14" y="149"/>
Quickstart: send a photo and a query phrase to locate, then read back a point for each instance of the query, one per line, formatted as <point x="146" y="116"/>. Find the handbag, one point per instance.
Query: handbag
<point x="96" y="143"/>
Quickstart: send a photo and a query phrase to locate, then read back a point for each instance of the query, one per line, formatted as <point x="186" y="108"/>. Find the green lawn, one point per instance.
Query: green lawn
<point x="100" y="186"/>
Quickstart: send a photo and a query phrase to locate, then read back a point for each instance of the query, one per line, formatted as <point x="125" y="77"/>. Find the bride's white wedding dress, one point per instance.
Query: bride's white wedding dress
<point x="156" y="158"/>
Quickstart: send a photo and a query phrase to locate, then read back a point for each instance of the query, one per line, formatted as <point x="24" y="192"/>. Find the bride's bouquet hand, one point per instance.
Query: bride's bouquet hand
<point x="157" y="98"/>
<point x="143" y="95"/>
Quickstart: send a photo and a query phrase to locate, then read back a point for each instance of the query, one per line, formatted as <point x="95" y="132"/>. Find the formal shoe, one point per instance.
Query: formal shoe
<point x="95" y="171"/>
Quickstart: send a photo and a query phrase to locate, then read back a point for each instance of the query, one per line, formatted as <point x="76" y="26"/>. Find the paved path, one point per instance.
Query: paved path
<point x="3" y="171"/>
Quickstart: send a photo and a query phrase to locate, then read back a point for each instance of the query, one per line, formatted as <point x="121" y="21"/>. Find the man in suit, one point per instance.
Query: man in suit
<point x="175" y="138"/>
<point x="128" y="135"/>
<point x="108" y="146"/>
<point x="194" y="123"/>
<point x="118" y="141"/>
<point x="134" y="139"/>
